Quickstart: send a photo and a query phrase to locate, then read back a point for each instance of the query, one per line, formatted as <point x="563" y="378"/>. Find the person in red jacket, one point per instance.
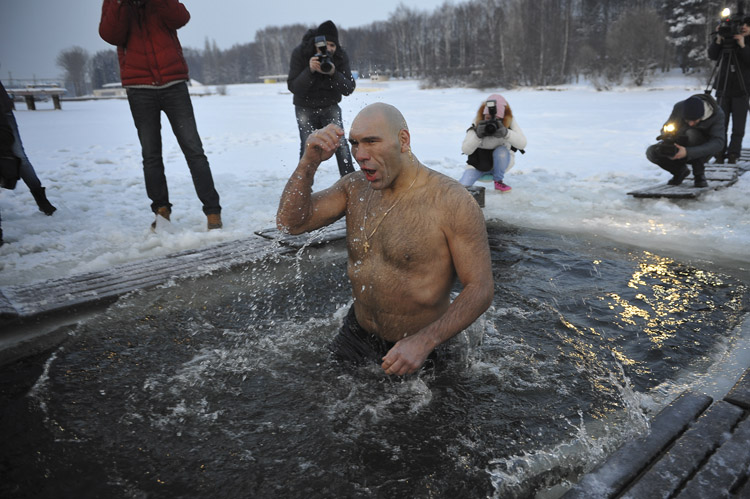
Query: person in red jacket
<point x="155" y="74"/>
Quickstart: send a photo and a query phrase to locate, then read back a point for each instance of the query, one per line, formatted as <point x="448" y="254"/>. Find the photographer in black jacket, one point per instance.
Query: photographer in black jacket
<point x="732" y="84"/>
<point x="319" y="75"/>
<point x="693" y="133"/>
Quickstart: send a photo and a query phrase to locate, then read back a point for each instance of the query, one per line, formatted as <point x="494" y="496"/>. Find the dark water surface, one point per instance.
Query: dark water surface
<point x="221" y="386"/>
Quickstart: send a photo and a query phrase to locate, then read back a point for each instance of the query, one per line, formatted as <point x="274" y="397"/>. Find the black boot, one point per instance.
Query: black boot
<point x="678" y="177"/>
<point x="41" y="201"/>
<point x="699" y="175"/>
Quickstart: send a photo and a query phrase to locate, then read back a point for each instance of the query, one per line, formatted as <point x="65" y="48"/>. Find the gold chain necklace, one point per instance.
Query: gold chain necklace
<point x="366" y="246"/>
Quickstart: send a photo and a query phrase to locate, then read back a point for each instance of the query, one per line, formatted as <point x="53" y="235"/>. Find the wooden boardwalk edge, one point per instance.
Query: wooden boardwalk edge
<point x="695" y="448"/>
<point x="54" y="295"/>
<point x="718" y="177"/>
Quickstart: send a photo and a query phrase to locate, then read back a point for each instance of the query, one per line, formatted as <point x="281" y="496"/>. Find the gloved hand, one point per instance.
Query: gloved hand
<point x="501" y="131"/>
<point x="479" y="130"/>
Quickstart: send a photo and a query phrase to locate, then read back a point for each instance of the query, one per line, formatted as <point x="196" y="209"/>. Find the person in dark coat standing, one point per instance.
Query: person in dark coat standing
<point x="155" y="74"/>
<point x="732" y="87"/>
<point x="28" y="174"/>
<point x="318" y="89"/>
<point x="696" y="131"/>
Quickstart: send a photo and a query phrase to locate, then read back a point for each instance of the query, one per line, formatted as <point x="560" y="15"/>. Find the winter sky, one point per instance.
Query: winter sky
<point x="32" y="32"/>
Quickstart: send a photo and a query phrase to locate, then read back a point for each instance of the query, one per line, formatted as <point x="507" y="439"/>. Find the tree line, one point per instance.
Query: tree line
<point x="480" y="43"/>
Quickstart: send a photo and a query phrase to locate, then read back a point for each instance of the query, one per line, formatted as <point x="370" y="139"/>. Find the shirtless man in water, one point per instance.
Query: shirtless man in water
<point x="411" y="232"/>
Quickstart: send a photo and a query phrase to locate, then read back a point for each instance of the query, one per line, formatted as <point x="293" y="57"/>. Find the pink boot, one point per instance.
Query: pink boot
<point x="501" y="186"/>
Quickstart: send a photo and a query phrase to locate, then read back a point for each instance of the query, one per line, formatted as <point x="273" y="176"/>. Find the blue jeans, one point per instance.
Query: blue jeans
<point x="146" y="105"/>
<point x="310" y="119"/>
<point x="500" y="162"/>
<point x="27" y="171"/>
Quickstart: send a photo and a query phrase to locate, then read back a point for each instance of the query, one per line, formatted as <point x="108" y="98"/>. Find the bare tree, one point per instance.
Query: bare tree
<point x="75" y="63"/>
<point x="636" y="43"/>
<point x="490" y="43"/>
<point x="104" y="68"/>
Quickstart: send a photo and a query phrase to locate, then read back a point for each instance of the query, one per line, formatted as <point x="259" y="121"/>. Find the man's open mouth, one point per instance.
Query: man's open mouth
<point x="369" y="174"/>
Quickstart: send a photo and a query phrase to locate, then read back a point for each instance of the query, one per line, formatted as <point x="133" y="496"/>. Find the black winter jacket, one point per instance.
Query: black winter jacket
<point x="711" y="126"/>
<point x="6" y="105"/>
<point x="733" y="85"/>
<point x="318" y="90"/>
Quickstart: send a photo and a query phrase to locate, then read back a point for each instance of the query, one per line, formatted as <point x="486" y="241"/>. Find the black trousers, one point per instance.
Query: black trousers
<point x="675" y="166"/>
<point x="354" y="345"/>
<point x="736" y="108"/>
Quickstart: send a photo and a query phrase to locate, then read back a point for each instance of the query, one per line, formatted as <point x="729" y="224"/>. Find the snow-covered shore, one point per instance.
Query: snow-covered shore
<point x="586" y="150"/>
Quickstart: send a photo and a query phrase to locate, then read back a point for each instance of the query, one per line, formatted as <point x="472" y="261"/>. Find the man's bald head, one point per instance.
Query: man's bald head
<point x="392" y="117"/>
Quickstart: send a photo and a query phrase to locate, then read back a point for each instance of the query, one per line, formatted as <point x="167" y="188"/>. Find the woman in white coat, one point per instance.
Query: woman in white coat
<point x="492" y="144"/>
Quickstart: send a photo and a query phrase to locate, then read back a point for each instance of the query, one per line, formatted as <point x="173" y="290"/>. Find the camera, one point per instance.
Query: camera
<point x="668" y="138"/>
<point x="729" y="26"/>
<point x="488" y="127"/>
<point x="326" y="63"/>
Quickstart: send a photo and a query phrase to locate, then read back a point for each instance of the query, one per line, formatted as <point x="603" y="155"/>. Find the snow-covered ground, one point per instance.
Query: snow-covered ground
<point x="586" y="150"/>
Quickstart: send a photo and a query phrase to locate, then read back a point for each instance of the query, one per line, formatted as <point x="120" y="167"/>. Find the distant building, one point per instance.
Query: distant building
<point x="273" y="78"/>
<point x="110" y="91"/>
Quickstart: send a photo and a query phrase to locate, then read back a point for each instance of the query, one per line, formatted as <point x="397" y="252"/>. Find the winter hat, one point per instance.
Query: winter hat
<point x="501" y="103"/>
<point x="692" y="109"/>
<point x="328" y="29"/>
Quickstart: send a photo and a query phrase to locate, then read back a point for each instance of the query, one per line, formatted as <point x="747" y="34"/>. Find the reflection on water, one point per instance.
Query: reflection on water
<point x="221" y="387"/>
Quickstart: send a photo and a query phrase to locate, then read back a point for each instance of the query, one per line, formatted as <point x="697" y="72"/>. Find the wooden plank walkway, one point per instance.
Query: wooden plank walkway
<point x="696" y="448"/>
<point x="717" y="176"/>
<point x="26" y="301"/>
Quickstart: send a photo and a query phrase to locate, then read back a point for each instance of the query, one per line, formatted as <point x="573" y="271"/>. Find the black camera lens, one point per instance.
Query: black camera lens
<point x="326" y="65"/>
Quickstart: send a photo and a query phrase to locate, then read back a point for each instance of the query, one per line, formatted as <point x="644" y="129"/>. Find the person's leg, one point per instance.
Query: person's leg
<point x="305" y="117"/>
<point x="678" y="168"/>
<point x="146" y="112"/>
<point x="672" y="166"/>
<point x="27" y="170"/>
<point x="500" y="162"/>
<point x="28" y="174"/>
<point x="696" y="138"/>
<point x="726" y="105"/>
<point x="699" y="176"/>
<point x="739" y="117"/>
<point x="332" y="114"/>
<point x="470" y="176"/>
<point x="175" y="101"/>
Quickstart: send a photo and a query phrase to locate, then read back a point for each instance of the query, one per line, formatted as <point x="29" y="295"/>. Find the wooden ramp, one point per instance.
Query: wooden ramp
<point x="695" y="449"/>
<point x="22" y="302"/>
<point x="718" y="177"/>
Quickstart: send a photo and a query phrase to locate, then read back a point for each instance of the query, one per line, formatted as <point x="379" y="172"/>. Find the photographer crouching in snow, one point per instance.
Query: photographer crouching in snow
<point x="491" y="143"/>
<point x="693" y="133"/>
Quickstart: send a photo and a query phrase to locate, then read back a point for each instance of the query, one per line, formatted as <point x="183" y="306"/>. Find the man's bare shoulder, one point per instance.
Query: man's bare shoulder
<point x="448" y="192"/>
<point x="353" y="183"/>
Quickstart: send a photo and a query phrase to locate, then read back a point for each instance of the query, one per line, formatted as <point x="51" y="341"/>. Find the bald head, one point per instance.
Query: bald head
<point x="391" y="117"/>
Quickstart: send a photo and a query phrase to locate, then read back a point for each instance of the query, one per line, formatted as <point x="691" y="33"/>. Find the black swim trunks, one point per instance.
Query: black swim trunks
<point x="354" y="345"/>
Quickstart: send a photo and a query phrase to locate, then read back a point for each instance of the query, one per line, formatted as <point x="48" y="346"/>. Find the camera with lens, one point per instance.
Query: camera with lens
<point x="729" y="26"/>
<point x="488" y="127"/>
<point x="670" y="136"/>
<point x="326" y="63"/>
